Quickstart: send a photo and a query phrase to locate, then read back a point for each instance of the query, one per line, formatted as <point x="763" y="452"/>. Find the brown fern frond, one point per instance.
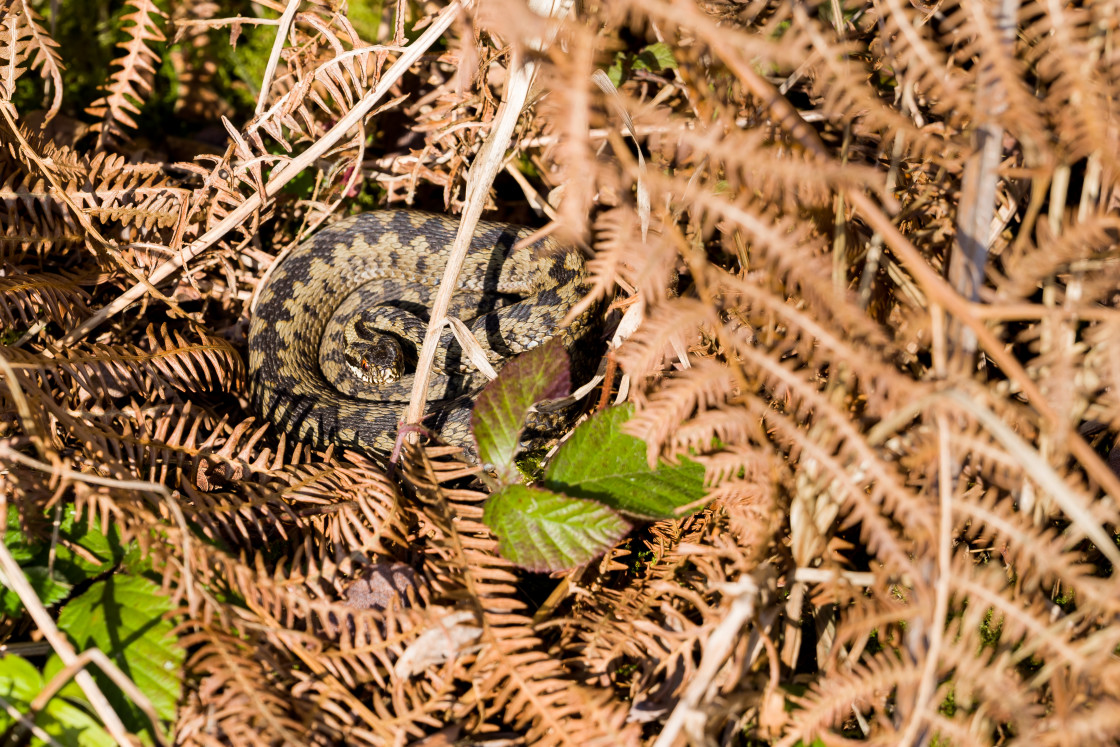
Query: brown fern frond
<point x="806" y="401"/>
<point x="26" y="45"/>
<point x="668" y="594"/>
<point x="167" y="361"/>
<point x="153" y="440"/>
<point x="865" y="687"/>
<point x="1000" y="78"/>
<point x="1028" y="630"/>
<point x="26" y="297"/>
<point x="232" y="486"/>
<point x="688" y="394"/>
<point x="108" y="188"/>
<point x="653" y="348"/>
<point x="1060" y="44"/>
<point x="515" y="682"/>
<point x="132" y="83"/>
<point x="811" y="334"/>
<point x="1095" y="237"/>
<point x="141" y="196"/>
<point x="1102" y="366"/>
<point x="1088" y="720"/>
<point x="1039" y="557"/>
<point x="989" y="687"/>
<point x="366" y="520"/>
<point x="697" y="434"/>
<point x="917" y="55"/>
<point x="241" y="699"/>
<point x="879" y="529"/>
<point x="841" y="76"/>
<point x="345" y="646"/>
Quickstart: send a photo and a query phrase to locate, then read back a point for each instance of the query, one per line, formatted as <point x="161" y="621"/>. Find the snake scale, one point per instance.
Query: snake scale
<point x="364" y="285"/>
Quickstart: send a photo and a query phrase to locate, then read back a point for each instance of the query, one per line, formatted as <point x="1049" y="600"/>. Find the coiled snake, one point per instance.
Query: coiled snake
<point x="333" y="320"/>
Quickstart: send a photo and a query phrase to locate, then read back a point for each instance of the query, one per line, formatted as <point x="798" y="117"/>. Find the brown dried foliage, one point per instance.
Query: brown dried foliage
<point x="909" y="482"/>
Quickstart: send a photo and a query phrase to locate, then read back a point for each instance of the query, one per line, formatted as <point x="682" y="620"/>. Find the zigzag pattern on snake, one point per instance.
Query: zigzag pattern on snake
<point x="511" y="300"/>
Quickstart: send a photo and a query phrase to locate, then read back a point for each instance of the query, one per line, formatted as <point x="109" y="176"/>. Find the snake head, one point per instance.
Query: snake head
<point x="375" y="357"/>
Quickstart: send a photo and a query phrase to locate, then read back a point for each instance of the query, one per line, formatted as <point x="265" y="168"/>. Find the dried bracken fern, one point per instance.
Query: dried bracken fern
<point x="26" y="297"/>
<point x="132" y="83"/>
<point x="517" y="684"/>
<point x="26" y="45"/>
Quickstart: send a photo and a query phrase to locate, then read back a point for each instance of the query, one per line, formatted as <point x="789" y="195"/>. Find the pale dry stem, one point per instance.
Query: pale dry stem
<point x="17" y="582"/>
<point x="276" y="182"/>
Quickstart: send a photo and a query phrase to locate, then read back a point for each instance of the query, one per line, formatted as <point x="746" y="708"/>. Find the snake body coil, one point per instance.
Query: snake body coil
<point x="383" y="270"/>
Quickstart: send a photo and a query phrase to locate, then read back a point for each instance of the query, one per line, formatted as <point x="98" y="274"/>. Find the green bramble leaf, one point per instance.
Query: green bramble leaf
<point x="20" y="683"/>
<point x="86" y="551"/>
<point x="124" y="617"/>
<point x="601" y="463"/>
<point x="614" y="72"/>
<point x="655" y="58"/>
<point x="83" y="553"/>
<point x="499" y="415"/>
<point x="544" y="531"/>
<point x="49" y="587"/>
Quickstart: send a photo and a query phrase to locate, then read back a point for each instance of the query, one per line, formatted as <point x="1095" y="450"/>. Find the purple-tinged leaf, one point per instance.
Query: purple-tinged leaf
<point x="499" y="415"/>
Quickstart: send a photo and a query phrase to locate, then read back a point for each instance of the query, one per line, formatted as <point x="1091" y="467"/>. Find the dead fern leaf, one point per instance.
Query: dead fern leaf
<point x="132" y="83"/>
<point x="168" y="361"/>
<point x="26" y="45"/>
<point x="25" y="297"/>
<point x="514" y="681"/>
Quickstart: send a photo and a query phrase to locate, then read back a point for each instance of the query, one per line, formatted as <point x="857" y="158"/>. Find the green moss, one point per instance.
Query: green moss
<point x="366" y="15"/>
<point x="531" y="463"/>
<point x="948" y="706"/>
<point x="249" y="60"/>
<point x="990" y="631"/>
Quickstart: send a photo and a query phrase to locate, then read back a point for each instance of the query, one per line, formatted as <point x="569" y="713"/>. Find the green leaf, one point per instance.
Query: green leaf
<point x="18" y="544"/>
<point x="601" y="463"/>
<point x="655" y="58"/>
<point x="614" y="72"/>
<point x="499" y="415"/>
<point x="543" y="531"/>
<point x="20" y="683"/>
<point x="48" y="587"/>
<point x="85" y="551"/>
<point x="123" y="616"/>
<point x="80" y="554"/>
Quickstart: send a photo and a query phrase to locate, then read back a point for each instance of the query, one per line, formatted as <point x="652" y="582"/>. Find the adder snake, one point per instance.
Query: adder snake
<point x="322" y="315"/>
